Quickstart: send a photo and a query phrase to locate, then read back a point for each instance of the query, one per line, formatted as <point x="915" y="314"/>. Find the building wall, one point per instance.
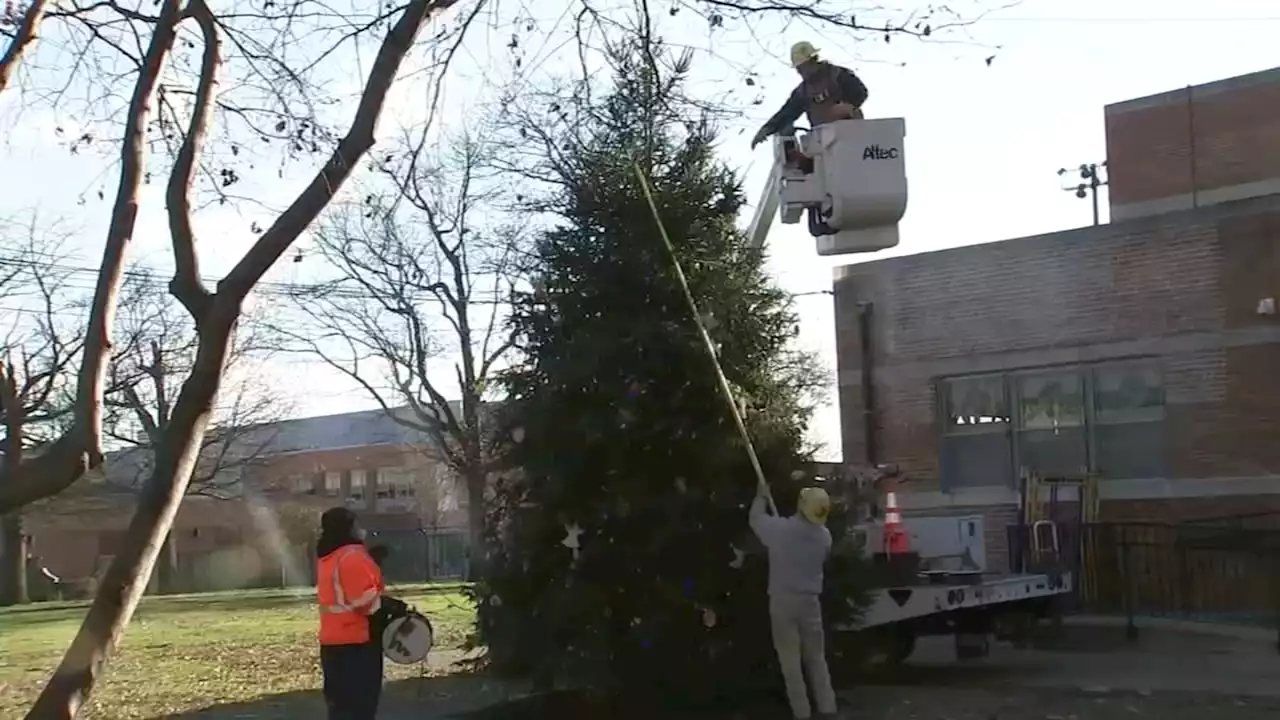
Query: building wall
<point x="1177" y="292"/>
<point x="240" y="539"/>
<point x="1195" y="146"/>
<point x="372" y="480"/>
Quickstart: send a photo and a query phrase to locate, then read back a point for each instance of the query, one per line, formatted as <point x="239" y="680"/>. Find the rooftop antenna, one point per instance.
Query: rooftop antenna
<point x="1091" y="179"/>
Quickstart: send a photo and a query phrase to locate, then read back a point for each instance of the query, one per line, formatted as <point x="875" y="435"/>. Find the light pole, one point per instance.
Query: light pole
<point x="1091" y="177"/>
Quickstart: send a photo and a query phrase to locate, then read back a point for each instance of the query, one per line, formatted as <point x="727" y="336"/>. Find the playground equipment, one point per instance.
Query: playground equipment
<point x="849" y="177"/>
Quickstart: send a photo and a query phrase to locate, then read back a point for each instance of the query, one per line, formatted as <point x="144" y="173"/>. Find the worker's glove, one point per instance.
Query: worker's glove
<point x="759" y="137"/>
<point x="394" y="608"/>
<point x="846" y="110"/>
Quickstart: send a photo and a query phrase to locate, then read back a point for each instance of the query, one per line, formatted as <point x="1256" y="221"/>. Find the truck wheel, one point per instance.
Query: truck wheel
<point x="848" y="654"/>
<point x="1019" y="628"/>
<point x="971" y="646"/>
<point x="901" y="643"/>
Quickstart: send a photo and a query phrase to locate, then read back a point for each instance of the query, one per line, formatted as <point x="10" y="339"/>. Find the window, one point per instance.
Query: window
<point x="357" y="485"/>
<point x="976" y="448"/>
<point x="1051" y="426"/>
<point x="393" y="484"/>
<point x="1128" y="411"/>
<point x="302" y="485"/>
<point x="1107" y="419"/>
<point x="333" y="484"/>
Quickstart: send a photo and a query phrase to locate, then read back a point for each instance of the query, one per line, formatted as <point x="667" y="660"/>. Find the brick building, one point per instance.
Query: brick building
<point x="1146" y="350"/>
<point x="365" y="460"/>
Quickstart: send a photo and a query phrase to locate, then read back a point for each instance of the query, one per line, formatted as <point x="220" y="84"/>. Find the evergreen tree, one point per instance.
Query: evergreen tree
<point x="623" y="444"/>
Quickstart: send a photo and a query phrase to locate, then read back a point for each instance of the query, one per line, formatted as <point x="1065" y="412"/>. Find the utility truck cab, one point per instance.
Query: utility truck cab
<point x="848" y="178"/>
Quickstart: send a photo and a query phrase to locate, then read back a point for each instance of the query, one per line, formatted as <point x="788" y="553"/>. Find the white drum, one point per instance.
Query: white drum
<point x="407" y="640"/>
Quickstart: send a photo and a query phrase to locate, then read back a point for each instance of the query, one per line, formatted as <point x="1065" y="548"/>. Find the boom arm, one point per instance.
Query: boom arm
<point x="766" y="209"/>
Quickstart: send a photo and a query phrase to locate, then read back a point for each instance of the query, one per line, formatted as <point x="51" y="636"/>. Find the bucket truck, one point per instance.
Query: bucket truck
<point x="848" y="179"/>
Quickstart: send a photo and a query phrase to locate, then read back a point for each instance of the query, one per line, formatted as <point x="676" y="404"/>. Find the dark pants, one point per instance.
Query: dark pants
<point x="352" y="680"/>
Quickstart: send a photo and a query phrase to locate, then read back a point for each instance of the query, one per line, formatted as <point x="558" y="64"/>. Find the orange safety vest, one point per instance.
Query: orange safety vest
<point x="349" y="589"/>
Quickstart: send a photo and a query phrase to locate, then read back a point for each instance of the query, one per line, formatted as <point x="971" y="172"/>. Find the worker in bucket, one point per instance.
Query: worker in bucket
<point x="798" y="548"/>
<point x="826" y="93"/>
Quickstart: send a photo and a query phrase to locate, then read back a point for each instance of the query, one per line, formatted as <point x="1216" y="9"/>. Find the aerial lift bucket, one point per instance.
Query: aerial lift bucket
<point x="849" y="177"/>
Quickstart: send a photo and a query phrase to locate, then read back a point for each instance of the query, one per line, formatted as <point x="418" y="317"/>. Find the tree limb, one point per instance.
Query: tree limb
<point x="358" y="140"/>
<point x="14" y="416"/>
<point x="23" y="38"/>
<point x="186" y="285"/>
<point x="80" y="448"/>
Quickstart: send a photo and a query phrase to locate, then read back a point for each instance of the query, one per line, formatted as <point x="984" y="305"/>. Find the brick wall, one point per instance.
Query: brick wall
<point x="1179" y="509"/>
<point x="72" y="540"/>
<point x="1195" y="146"/>
<point x="1182" y="287"/>
<point x="74" y="532"/>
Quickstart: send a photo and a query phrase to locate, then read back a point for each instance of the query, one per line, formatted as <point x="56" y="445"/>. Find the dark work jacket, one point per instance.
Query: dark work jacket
<point x="816" y="98"/>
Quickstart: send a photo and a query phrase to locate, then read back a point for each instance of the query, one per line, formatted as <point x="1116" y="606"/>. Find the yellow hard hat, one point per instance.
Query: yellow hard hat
<point x="802" y="52"/>
<point x="814" y="505"/>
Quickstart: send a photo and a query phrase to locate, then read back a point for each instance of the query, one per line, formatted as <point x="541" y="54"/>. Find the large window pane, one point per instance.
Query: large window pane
<point x="976" y="404"/>
<point x="1128" y="394"/>
<point x="976" y="460"/>
<point x="1130" y="450"/>
<point x="976" y="450"/>
<point x="1052" y="440"/>
<point x="1054" y="453"/>
<point x="1128" y="410"/>
<point x="1050" y="402"/>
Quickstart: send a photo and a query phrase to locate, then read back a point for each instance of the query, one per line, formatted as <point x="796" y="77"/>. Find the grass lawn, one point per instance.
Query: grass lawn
<point x="186" y="652"/>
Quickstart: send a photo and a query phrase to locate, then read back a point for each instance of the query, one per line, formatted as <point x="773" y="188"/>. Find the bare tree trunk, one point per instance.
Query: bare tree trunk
<point x="477" y="543"/>
<point x="22" y="40"/>
<point x="167" y="570"/>
<point x="126" y="578"/>
<point x="13" y="560"/>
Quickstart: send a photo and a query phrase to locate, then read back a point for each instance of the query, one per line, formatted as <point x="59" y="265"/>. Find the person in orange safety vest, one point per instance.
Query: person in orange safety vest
<point x="349" y="589"/>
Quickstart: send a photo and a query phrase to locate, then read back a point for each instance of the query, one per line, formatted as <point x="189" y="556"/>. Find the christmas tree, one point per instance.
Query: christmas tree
<point x="621" y="557"/>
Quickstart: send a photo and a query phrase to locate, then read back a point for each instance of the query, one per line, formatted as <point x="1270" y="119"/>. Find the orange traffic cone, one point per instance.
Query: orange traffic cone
<point x="895" y="538"/>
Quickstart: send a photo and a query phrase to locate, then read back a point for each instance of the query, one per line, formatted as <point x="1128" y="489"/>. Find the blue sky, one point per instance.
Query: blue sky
<point x="984" y="142"/>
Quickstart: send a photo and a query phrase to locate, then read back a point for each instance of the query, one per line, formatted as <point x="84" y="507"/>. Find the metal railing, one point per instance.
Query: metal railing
<point x="1219" y="570"/>
<point x="424" y="555"/>
<point x="1248" y="521"/>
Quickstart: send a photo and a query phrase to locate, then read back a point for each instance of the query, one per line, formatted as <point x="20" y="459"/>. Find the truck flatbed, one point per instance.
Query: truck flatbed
<point x="904" y="603"/>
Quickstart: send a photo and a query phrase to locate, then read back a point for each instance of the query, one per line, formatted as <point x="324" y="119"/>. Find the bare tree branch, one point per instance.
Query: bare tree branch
<point x="186" y="285"/>
<point x="35" y="367"/>
<point x="160" y="349"/>
<point x="80" y="447"/>
<point x="403" y="305"/>
<point x="23" y="37"/>
<point x="303" y="211"/>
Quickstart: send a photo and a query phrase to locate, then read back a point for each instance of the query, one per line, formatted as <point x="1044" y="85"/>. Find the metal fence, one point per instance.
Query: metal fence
<point x="424" y="555"/>
<point x="1220" y="570"/>
<point x="416" y="556"/>
<point x="1249" y="521"/>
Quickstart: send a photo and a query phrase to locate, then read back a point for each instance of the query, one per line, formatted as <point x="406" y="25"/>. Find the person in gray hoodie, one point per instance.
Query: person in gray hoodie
<point x="798" y="548"/>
